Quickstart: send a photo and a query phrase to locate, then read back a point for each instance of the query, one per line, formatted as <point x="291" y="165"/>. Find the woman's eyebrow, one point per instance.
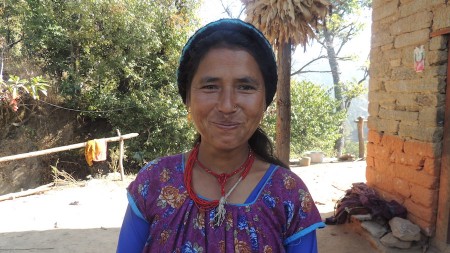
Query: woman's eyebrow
<point x="248" y="79"/>
<point x="207" y="79"/>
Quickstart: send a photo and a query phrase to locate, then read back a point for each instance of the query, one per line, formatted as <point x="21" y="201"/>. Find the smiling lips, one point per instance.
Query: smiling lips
<point x="227" y="125"/>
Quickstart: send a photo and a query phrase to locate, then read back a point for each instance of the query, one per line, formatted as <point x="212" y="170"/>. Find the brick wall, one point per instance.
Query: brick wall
<point x="406" y="171"/>
<point x="406" y="108"/>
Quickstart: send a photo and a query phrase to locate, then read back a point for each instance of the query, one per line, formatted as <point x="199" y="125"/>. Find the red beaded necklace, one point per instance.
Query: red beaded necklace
<point x="206" y="205"/>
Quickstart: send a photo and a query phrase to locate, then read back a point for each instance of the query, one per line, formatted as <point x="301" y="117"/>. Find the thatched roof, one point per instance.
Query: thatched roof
<point x="284" y="19"/>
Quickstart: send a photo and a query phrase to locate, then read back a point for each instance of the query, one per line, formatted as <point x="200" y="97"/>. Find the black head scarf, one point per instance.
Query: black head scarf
<point x="230" y="33"/>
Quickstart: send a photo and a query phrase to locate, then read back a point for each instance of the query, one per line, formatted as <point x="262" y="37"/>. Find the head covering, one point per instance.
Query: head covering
<point x="259" y="47"/>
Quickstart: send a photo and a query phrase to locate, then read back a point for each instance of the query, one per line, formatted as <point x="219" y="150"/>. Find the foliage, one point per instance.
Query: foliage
<point x="115" y="60"/>
<point x="314" y="119"/>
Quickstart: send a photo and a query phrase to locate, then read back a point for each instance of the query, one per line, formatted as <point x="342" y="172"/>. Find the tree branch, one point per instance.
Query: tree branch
<point x="300" y="70"/>
<point x="310" y="71"/>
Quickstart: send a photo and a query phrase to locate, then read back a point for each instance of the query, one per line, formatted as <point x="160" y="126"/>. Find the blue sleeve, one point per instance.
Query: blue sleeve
<point x="304" y="244"/>
<point x="133" y="234"/>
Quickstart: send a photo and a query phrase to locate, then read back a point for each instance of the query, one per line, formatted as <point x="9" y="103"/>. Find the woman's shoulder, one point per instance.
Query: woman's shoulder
<point x="285" y="179"/>
<point x="159" y="165"/>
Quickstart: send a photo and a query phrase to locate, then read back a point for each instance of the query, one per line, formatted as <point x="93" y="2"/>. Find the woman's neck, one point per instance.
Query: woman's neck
<point x="222" y="161"/>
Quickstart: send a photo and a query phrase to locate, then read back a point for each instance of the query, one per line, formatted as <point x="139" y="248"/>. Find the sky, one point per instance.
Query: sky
<point x="212" y="10"/>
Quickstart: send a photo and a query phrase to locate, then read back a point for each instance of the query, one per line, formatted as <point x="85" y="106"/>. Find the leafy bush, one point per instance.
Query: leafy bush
<point x="314" y="121"/>
<point x="114" y="60"/>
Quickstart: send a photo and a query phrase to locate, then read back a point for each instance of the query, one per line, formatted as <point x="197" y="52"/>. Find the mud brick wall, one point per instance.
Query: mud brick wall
<point x="406" y="107"/>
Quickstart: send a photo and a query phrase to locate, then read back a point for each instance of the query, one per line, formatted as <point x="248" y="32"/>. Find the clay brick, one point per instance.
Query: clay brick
<point x="393" y="143"/>
<point x="427" y="228"/>
<point x="432" y="166"/>
<point x="421" y="133"/>
<point x="438" y="43"/>
<point x="425" y="213"/>
<point x="412" y="38"/>
<point x="428" y="100"/>
<point x="379" y="180"/>
<point x="381" y="152"/>
<point x="416" y="85"/>
<point x="370" y="161"/>
<point x="388" y="196"/>
<point x="416" y="21"/>
<point x="416" y="6"/>
<point x="387" y="126"/>
<point x="399" y="115"/>
<point x="423" y="196"/>
<point x="407" y="159"/>
<point x="436" y="57"/>
<point x="403" y="72"/>
<point x="370" y="149"/>
<point x="415" y="175"/>
<point x="385" y="167"/>
<point x="373" y="108"/>
<point x="385" y="10"/>
<point x="419" y="148"/>
<point x="441" y="19"/>
<point x="371" y="176"/>
<point x="374" y="137"/>
<point x="402" y="187"/>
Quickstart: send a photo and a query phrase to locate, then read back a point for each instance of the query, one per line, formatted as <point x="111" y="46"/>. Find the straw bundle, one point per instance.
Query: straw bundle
<point x="281" y="20"/>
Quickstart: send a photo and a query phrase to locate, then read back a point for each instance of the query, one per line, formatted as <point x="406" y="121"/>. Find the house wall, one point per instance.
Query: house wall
<point x="407" y="108"/>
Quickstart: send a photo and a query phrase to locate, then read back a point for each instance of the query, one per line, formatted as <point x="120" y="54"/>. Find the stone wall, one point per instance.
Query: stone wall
<point x="406" y="108"/>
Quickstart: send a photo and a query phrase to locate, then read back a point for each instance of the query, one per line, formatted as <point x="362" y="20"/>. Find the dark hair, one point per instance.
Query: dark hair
<point x="233" y="33"/>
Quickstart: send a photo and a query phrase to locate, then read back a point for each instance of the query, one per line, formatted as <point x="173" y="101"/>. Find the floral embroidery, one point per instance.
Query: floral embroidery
<point x="289" y="182"/>
<point x="189" y="248"/>
<point x="306" y="200"/>
<point x="241" y="247"/>
<point x="143" y="189"/>
<point x="171" y="195"/>
<point x="229" y="221"/>
<point x="289" y="212"/>
<point x="267" y="249"/>
<point x="222" y="246"/>
<point x="199" y="221"/>
<point x="242" y="222"/>
<point x="269" y="200"/>
<point x="253" y="238"/>
<point x="164" y="236"/>
<point x="164" y="176"/>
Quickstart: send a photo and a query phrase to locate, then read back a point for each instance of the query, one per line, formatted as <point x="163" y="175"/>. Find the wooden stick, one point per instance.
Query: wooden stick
<point x="29" y="192"/>
<point x="120" y="155"/>
<point x="58" y="149"/>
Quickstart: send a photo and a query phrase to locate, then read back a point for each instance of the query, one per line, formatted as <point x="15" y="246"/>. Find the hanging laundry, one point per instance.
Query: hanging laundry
<point x="95" y="150"/>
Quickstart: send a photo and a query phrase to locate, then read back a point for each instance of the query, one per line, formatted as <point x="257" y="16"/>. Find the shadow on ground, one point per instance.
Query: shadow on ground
<point x="97" y="240"/>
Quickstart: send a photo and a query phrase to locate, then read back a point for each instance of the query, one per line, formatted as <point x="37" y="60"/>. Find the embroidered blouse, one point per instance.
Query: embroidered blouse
<point x="277" y="214"/>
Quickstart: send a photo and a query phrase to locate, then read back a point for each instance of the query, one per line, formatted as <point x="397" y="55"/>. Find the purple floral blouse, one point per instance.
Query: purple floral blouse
<point x="282" y="212"/>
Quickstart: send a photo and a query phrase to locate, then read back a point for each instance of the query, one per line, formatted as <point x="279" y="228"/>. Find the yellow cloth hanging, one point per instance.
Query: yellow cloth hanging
<point x="95" y="150"/>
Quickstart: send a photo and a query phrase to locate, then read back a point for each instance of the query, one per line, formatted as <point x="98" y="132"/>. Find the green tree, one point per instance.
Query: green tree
<point x="313" y="119"/>
<point x="341" y="25"/>
<point x="286" y="24"/>
<point x="116" y="60"/>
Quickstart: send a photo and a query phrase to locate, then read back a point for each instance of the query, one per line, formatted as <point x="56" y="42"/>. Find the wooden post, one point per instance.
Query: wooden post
<point x="120" y="155"/>
<point x="360" y="123"/>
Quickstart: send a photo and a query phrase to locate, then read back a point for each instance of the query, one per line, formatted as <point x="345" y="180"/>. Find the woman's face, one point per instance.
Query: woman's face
<point x="227" y="98"/>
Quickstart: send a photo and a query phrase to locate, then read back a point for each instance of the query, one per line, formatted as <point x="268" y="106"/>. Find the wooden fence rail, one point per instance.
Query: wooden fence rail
<point x="73" y="146"/>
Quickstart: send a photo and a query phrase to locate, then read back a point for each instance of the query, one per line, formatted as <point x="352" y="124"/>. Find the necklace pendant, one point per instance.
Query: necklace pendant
<point x="220" y="212"/>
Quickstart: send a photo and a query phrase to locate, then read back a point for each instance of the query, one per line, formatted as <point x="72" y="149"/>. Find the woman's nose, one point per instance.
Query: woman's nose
<point x="227" y="101"/>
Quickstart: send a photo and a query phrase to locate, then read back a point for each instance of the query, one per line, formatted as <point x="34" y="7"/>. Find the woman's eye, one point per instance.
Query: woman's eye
<point x="246" y="87"/>
<point x="209" y="87"/>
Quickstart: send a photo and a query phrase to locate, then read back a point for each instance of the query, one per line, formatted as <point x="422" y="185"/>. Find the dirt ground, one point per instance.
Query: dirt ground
<point x="87" y="218"/>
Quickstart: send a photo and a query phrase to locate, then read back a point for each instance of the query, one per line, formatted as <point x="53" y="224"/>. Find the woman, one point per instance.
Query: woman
<point x="229" y="193"/>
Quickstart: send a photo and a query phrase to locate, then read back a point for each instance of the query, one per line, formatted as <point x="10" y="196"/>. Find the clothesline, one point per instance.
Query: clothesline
<point x="64" y="148"/>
